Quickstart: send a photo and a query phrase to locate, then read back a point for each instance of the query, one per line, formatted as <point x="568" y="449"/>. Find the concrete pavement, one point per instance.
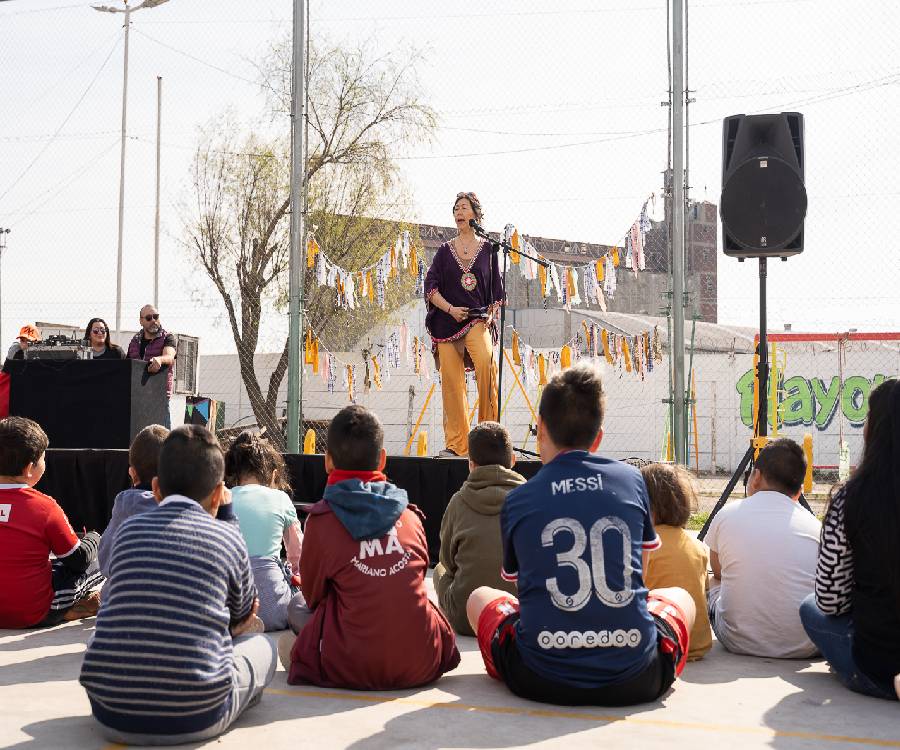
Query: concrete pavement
<point x="739" y="702"/>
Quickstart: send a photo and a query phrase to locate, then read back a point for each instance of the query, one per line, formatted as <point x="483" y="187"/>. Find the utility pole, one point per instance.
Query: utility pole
<point x="3" y="235"/>
<point x="677" y="342"/>
<point x="119" y="246"/>
<point x="298" y="227"/>
<point x="119" y="251"/>
<point x="156" y="222"/>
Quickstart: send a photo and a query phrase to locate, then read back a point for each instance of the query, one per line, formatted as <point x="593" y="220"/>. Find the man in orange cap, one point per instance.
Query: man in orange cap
<point x="28" y="334"/>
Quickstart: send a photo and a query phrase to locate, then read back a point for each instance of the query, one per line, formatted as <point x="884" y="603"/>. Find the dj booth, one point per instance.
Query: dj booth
<point x="88" y="403"/>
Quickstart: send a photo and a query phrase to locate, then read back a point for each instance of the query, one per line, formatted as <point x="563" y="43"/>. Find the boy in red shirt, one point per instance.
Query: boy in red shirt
<point x="362" y="568"/>
<point x="33" y="590"/>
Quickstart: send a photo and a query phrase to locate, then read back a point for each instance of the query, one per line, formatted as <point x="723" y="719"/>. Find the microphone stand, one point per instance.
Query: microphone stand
<point x="499" y="245"/>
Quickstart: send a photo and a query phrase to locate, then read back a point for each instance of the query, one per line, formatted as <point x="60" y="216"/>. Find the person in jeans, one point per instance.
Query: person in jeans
<point x="854" y="615"/>
<point x="260" y="482"/>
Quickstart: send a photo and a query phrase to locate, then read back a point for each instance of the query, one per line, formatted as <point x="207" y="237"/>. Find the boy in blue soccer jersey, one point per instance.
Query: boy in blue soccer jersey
<point x="584" y="629"/>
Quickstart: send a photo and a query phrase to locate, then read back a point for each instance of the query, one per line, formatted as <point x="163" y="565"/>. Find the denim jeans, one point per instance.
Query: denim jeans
<point x="833" y="636"/>
<point x="255" y="660"/>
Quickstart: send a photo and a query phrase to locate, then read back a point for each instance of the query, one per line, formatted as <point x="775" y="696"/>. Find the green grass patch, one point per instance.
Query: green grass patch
<point x="697" y="521"/>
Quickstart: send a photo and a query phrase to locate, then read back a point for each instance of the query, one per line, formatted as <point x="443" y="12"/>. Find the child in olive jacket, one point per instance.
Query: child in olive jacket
<point x="471" y="552"/>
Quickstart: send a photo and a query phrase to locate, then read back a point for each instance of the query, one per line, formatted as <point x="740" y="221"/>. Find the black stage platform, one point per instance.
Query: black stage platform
<point x="85" y="482"/>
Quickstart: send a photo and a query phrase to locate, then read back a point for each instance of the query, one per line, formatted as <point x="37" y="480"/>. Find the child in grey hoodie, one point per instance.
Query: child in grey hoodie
<point x="471" y="551"/>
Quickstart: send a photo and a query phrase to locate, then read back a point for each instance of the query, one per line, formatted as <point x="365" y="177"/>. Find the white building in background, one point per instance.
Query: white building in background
<point x="824" y="386"/>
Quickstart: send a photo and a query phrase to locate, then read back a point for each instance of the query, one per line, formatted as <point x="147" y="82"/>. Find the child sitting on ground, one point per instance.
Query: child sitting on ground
<point x="682" y="560"/>
<point x="143" y="458"/>
<point x="259" y="479"/>
<point x="471" y="553"/>
<point x="584" y="630"/>
<point x="172" y="659"/>
<point x="372" y="626"/>
<point x="33" y="590"/>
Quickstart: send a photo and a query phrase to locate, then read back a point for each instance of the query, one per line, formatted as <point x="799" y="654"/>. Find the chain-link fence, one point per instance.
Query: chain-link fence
<point x="557" y="117"/>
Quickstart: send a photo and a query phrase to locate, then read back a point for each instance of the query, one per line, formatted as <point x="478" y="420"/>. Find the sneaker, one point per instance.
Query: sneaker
<point x="447" y="453"/>
<point x="86" y="607"/>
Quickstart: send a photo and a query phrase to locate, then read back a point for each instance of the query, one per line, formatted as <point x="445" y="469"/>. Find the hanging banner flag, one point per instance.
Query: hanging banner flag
<point x="376" y="373"/>
<point x="312" y="249"/>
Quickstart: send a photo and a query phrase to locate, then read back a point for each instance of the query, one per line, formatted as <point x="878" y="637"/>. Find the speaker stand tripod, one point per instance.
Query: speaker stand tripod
<point x="760" y="432"/>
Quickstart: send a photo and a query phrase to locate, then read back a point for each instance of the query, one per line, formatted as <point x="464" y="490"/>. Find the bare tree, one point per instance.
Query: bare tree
<point x="362" y="108"/>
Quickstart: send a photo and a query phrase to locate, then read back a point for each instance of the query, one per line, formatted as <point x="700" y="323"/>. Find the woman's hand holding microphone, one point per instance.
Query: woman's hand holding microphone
<point x="459" y="314"/>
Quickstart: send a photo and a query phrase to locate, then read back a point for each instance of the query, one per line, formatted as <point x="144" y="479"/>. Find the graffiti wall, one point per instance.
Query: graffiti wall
<point x="819" y="387"/>
<point x="812" y="402"/>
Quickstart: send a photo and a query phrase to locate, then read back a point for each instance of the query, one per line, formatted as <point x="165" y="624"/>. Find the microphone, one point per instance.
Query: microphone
<point x="478" y="228"/>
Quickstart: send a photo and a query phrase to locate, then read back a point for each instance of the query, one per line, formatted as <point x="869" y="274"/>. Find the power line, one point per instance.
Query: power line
<point x="55" y="190"/>
<point x="62" y="124"/>
<point x="194" y="57"/>
<point x="530" y="149"/>
<point x="102" y="44"/>
<point x="41" y="10"/>
<point x="38" y="137"/>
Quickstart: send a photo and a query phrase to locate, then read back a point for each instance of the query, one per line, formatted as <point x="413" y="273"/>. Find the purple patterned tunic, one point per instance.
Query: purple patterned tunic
<point x="446" y="275"/>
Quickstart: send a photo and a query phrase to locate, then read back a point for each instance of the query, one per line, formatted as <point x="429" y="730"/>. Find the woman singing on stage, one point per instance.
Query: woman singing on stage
<point x="463" y="290"/>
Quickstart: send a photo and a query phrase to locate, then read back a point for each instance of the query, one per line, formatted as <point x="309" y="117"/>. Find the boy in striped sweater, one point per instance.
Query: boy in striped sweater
<point x="173" y="659"/>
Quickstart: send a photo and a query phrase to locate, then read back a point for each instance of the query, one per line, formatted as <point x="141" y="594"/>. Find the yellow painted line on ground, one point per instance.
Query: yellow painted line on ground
<point x="597" y="718"/>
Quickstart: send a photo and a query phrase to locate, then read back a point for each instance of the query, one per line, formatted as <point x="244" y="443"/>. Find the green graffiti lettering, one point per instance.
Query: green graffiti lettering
<point x="745" y="388"/>
<point x="827" y="400"/>
<point x="855" y="399"/>
<point x="798" y="405"/>
<point x="808" y="401"/>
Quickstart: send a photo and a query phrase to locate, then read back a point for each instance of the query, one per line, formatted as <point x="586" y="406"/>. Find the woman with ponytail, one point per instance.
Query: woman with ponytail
<point x="854" y="615"/>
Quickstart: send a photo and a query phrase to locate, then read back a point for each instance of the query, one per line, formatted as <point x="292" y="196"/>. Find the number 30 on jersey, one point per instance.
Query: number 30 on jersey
<point x="591" y="578"/>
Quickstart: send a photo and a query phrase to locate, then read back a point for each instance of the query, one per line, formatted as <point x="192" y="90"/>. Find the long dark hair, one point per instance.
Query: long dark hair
<point x="252" y="455"/>
<point x="872" y="501"/>
<point x="87" y="332"/>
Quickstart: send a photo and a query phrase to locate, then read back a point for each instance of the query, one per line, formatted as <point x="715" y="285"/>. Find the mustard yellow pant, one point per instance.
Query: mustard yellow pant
<point x="477" y="342"/>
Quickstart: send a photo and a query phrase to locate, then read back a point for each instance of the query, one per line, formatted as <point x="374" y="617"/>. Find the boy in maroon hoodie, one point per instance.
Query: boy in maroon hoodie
<point x="362" y="570"/>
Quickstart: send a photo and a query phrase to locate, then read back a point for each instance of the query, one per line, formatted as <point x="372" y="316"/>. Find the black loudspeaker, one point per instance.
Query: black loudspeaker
<point x="82" y="403"/>
<point x="763" y="201"/>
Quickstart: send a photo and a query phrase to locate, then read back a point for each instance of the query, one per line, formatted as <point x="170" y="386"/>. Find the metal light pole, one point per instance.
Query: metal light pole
<point x="677" y="342"/>
<point x="3" y="233"/>
<point x="156" y="222"/>
<point x="127" y="11"/>
<point x="298" y="206"/>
